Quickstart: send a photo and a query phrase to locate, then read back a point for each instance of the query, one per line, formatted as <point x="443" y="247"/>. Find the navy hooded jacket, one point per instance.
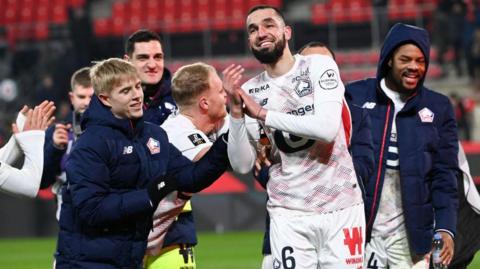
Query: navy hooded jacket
<point x="427" y="147"/>
<point x="107" y="214"/>
<point x="160" y="104"/>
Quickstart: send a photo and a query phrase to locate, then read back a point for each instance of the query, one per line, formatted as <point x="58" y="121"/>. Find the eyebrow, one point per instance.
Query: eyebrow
<point x="266" y="20"/>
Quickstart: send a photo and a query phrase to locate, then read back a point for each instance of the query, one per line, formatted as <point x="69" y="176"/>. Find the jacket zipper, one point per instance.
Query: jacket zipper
<point x="377" y="181"/>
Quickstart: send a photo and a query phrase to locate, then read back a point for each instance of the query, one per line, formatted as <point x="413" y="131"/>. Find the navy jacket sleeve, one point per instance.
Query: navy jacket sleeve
<point x="51" y="161"/>
<point x="194" y="177"/>
<point x="443" y="174"/>
<point x="88" y="181"/>
<point x="362" y="144"/>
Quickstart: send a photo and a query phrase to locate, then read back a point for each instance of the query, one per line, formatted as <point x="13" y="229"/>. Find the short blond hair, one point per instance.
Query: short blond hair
<point x="190" y="81"/>
<point x="107" y="74"/>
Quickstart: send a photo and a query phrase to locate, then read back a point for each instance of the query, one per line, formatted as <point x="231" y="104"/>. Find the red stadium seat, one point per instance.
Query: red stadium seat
<point x="186" y="15"/>
<point x="102" y="27"/>
<point x="135" y="17"/>
<point x="319" y="13"/>
<point x="153" y="15"/>
<point x="169" y="16"/>
<point x="59" y="12"/>
<point x="338" y="10"/>
<point x="76" y="3"/>
<point x="203" y="15"/>
<point x="237" y="16"/>
<point x="220" y="19"/>
<point x="27" y="11"/>
<point x="11" y="12"/>
<point x="41" y="31"/>
<point x="2" y="13"/>
<point x="359" y="11"/>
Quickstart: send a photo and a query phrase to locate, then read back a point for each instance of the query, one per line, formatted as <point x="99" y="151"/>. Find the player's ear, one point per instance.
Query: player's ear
<point x="126" y="57"/>
<point x="105" y="99"/>
<point x="203" y="103"/>
<point x="288" y="32"/>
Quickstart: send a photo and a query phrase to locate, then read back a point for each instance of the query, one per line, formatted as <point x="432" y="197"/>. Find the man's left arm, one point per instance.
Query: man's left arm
<point x="444" y="182"/>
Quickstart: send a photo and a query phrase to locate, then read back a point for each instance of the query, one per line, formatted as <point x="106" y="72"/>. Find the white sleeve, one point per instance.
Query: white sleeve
<point x="10" y="152"/>
<point x="240" y="152"/>
<point x="25" y="181"/>
<point x="328" y="91"/>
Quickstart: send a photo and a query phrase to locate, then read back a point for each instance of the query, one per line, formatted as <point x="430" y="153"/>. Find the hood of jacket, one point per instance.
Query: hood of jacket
<point x="401" y="34"/>
<point x="99" y="114"/>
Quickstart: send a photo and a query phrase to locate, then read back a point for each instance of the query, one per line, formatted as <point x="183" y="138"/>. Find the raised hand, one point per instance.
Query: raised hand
<point x="232" y="76"/>
<point x="38" y="118"/>
<point x="251" y="108"/>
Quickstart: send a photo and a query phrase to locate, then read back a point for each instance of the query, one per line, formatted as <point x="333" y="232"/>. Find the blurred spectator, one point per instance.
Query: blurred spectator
<point x="46" y="90"/>
<point x="464" y="112"/>
<point x="449" y="22"/>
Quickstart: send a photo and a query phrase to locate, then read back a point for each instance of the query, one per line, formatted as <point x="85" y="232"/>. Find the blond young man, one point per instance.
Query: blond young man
<point x="201" y="98"/>
<point x="120" y="169"/>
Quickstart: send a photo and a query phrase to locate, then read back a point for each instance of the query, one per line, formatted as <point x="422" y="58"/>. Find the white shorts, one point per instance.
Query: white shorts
<point x="393" y="252"/>
<point x="325" y="241"/>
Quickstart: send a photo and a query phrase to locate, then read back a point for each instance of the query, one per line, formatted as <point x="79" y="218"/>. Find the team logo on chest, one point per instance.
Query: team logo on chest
<point x="153" y="145"/>
<point x="426" y="115"/>
<point x="303" y="84"/>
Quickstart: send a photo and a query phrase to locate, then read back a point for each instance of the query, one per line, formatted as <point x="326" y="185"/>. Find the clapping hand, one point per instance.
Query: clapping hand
<point x="38" y="118"/>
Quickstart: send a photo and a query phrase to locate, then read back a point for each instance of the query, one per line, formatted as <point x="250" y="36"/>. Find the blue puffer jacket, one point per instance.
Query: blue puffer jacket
<point x="107" y="214"/>
<point x="427" y="150"/>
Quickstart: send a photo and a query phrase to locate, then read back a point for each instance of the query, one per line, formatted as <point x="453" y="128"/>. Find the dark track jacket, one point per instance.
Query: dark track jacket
<point x="427" y="147"/>
<point x="159" y="103"/>
<point x="106" y="214"/>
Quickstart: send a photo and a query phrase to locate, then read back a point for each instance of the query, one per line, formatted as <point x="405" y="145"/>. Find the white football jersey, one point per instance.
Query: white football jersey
<point x="190" y="141"/>
<point x="299" y="181"/>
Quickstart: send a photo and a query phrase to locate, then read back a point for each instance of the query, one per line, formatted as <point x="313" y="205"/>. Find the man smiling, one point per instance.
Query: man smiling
<point x="413" y="191"/>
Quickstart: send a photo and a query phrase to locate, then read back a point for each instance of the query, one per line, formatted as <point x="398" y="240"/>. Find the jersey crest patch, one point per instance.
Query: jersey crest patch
<point x="329" y="80"/>
<point x="153" y="145"/>
<point x="426" y="115"/>
<point x="196" y="139"/>
<point x="303" y="86"/>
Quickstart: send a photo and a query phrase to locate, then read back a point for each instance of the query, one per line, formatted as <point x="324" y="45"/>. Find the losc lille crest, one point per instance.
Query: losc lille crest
<point x="153" y="145"/>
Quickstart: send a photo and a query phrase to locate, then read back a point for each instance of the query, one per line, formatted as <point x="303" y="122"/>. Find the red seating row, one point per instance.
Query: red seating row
<point x="176" y="16"/>
<point x="30" y="19"/>
<point x="354" y="11"/>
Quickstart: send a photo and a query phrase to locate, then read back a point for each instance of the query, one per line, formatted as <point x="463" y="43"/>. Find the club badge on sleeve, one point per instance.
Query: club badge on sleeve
<point x="329" y="80"/>
<point x="426" y="115"/>
<point x="196" y="139"/>
<point x="153" y="145"/>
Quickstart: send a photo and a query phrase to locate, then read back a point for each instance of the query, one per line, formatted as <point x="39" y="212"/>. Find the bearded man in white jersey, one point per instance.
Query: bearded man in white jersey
<point x="315" y="204"/>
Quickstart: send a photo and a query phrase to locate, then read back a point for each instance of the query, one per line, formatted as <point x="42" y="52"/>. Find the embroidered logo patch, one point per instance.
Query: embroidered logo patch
<point x="303" y="86"/>
<point x="153" y="145"/>
<point x="196" y="139"/>
<point x="329" y="80"/>
<point x="426" y="115"/>
<point x="369" y="105"/>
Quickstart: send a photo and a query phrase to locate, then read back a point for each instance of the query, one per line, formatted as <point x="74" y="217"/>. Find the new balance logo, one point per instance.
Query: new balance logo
<point x="127" y="150"/>
<point x="369" y="105"/>
<point x="161" y="185"/>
